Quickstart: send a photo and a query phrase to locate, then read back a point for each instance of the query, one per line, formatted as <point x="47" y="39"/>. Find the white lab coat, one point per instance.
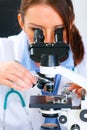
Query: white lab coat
<point x="17" y="117"/>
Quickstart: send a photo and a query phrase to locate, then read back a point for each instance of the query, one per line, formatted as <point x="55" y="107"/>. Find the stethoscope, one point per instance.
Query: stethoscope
<point x="6" y="99"/>
<point x="11" y="92"/>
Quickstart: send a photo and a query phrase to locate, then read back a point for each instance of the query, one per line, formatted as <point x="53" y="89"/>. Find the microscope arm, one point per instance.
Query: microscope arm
<point x="71" y="75"/>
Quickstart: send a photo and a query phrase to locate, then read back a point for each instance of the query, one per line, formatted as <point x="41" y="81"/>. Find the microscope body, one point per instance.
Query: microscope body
<point x="49" y="56"/>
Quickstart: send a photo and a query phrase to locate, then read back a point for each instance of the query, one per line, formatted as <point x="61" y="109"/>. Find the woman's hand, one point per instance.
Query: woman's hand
<point x="14" y="75"/>
<point x="77" y="89"/>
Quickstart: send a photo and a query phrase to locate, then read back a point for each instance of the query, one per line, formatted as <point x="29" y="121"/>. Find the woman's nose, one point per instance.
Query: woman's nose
<point x="49" y="36"/>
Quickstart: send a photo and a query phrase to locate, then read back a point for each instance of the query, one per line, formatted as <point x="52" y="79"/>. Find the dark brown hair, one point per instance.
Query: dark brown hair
<point x="65" y="9"/>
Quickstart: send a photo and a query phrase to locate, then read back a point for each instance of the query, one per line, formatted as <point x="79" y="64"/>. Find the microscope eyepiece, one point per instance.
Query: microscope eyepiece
<point x="38" y="36"/>
<point x="58" y="34"/>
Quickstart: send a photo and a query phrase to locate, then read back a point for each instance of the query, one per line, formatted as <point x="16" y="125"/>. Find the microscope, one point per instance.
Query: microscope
<point x="50" y="55"/>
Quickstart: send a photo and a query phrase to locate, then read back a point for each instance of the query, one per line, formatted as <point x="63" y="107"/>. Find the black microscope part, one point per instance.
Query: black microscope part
<point x="58" y="49"/>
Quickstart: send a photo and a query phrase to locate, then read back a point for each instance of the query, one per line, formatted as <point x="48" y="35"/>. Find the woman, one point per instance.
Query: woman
<point x="46" y="15"/>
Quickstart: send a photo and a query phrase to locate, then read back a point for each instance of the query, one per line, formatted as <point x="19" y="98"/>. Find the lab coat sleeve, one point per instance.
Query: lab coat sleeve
<point x="6" y="50"/>
<point x="12" y="48"/>
<point x="18" y="42"/>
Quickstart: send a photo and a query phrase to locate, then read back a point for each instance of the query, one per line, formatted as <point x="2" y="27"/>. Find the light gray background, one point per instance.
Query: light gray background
<point x="80" y="8"/>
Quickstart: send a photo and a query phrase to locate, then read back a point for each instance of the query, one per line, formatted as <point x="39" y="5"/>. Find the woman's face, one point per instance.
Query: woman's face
<point x="43" y="17"/>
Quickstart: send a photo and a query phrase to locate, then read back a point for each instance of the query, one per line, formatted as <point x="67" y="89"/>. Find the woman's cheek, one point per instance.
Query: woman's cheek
<point x="30" y="39"/>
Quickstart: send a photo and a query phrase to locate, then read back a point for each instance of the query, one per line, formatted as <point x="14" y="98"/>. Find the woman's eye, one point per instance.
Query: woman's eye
<point x="33" y="29"/>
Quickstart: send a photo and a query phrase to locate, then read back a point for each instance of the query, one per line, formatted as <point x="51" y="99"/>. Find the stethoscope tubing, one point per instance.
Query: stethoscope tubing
<point x="11" y="92"/>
